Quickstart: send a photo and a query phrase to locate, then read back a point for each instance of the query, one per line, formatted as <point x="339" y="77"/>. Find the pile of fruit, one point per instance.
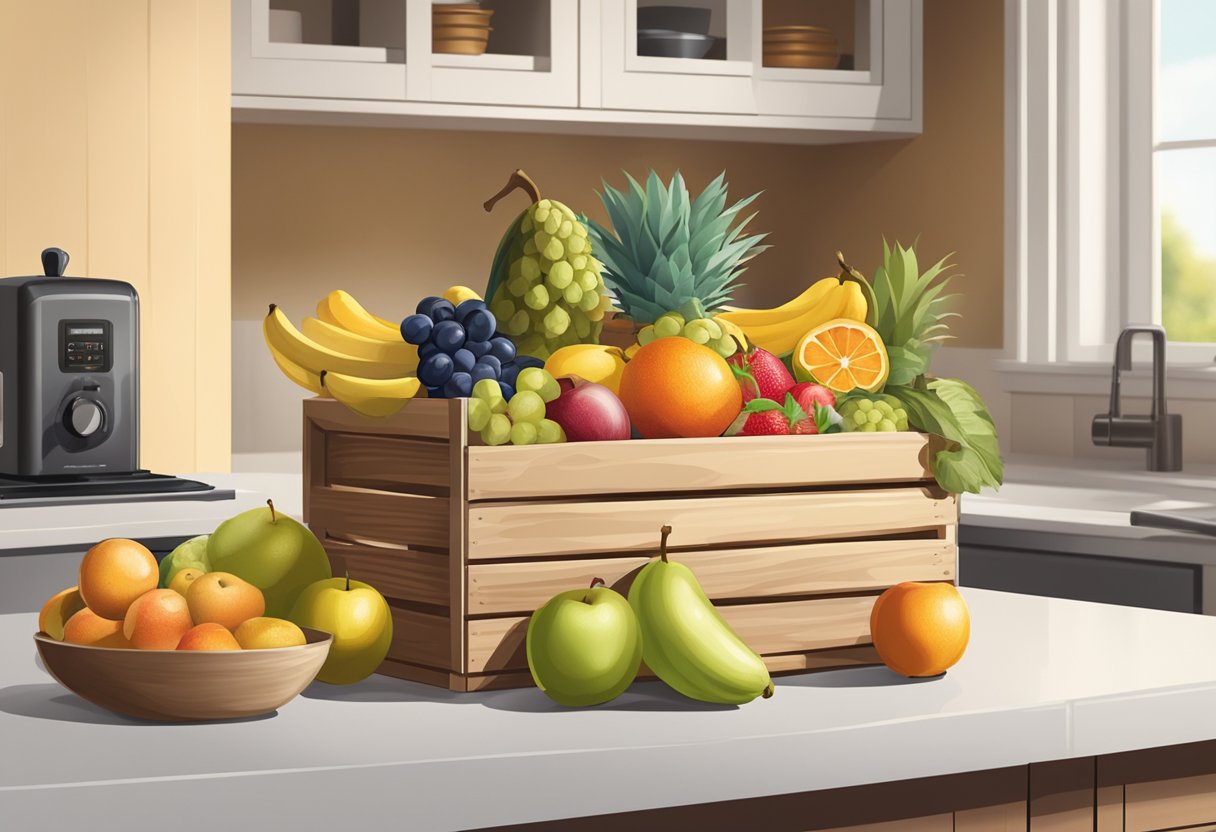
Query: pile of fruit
<point x="848" y="353"/>
<point x="252" y="584"/>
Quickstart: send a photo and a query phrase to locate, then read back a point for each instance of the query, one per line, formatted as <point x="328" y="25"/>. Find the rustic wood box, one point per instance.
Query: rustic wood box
<point x="791" y="536"/>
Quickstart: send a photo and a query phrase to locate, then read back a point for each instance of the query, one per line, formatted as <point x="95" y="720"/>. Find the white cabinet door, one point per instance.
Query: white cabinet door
<point x="629" y="81"/>
<point x="885" y="48"/>
<point x="885" y="85"/>
<point x="266" y="67"/>
<point x="532" y="58"/>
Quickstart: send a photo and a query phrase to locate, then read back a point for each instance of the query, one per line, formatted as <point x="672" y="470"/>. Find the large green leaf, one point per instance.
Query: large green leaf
<point x="953" y="410"/>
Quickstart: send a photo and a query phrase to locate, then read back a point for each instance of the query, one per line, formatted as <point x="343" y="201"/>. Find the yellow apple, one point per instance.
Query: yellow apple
<point x="359" y="619"/>
<point x="263" y="633"/>
<point x="182" y="580"/>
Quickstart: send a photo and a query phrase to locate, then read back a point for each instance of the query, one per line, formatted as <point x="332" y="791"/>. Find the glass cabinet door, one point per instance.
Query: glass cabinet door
<point x="315" y="49"/>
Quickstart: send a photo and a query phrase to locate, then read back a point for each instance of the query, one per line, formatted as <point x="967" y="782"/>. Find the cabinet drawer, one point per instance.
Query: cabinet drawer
<point x="1132" y="583"/>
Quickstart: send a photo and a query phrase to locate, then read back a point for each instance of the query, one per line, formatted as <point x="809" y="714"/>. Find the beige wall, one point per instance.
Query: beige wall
<point x="114" y="145"/>
<point x="392" y="215"/>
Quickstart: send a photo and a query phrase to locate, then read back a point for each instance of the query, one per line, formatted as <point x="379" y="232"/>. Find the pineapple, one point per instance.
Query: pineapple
<point x="907" y="309"/>
<point x="671" y="261"/>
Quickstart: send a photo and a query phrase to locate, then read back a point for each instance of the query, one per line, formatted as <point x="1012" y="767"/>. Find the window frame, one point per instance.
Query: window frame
<point x="1079" y="171"/>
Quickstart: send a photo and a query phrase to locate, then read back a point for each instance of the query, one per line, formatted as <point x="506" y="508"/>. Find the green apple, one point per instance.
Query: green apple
<point x="189" y="555"/>
<point x="584" y="646"/>
<point x="360" y="621"/>
<point x="271" y="551"/>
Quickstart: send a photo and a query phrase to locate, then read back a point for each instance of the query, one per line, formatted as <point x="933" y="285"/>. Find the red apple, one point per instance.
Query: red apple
<point x="588" y="412"/>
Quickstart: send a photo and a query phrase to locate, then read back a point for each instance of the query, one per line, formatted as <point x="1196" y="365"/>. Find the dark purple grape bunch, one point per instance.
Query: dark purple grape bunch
<point x="459" y="346"/>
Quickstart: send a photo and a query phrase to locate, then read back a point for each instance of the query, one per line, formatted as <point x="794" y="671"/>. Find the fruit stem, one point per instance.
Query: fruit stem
<point x="518" y="179"/>
<point x="597" y="582"/>
<point x="347" y="581"/>
<point x="768" y="691"/>
<point x="843" y="265"/>
<point x="273" y="307"/>
<point x="665" y="531"/>
<point x="274" y="518"/>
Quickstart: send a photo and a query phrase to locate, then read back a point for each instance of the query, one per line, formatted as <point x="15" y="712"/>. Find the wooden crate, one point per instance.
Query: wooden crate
<point x="791" y="536"/>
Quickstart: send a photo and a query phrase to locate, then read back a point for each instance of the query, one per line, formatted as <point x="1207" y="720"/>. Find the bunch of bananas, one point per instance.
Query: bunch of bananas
<point x="345" y="352"/>
<point x="779" y="329"/>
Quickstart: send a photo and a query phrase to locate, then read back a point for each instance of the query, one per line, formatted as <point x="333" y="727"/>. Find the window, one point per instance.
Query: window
<point x="1184" y="165"/>
<point x="1110" y="182"/>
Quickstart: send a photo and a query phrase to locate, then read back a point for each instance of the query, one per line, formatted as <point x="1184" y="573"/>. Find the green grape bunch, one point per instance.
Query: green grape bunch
<point x="883" y="414"/>
<point x="520" y="421"/>
<point x="700" y="330"/>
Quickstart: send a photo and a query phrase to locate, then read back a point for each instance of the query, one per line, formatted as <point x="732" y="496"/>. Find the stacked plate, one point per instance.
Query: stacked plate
<point x="800" y="47"/>
<point x="460" y="28"/>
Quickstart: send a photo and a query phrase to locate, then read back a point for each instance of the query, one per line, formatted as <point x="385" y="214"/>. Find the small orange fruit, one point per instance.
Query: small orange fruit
<point x="675" y="387"/>
<point x="208" y="636"/>
<point x="843" y="355"/>
<point x="87" y="627"/>
<point x="57" y="610"/>
<point x="157" y="620"/>
<point x="114" y="573"/>
<point x="920" y="629"/>
<point x="182" y="580"/>
<point x="225" y="599"/>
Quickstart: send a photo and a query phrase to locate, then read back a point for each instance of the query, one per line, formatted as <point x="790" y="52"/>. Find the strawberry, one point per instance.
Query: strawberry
<point x="808" y="393"/>
<point x="761" y="375"/>
<point x="764" y="417"/>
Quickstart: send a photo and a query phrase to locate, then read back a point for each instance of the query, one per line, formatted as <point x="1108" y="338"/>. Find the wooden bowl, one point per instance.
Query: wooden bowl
<point x="459" y="46"/>
<point x="461" y="16"/>
<point x="185" y="685"/>
<point x="801" y="61"/>
<point x="481" y="33"/>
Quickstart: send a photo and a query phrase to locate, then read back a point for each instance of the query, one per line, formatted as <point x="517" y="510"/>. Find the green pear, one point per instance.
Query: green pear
<point x="584" y="646"/>
<point x="189" y="555"/>
<point x="271" y="551"/>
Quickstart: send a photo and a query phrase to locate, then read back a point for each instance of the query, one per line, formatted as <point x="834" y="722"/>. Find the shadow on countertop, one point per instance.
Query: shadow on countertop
<point x="52" y="701"/>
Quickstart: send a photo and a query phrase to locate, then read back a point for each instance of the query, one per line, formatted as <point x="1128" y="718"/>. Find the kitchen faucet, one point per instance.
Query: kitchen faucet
<point x="1160" y="432"/>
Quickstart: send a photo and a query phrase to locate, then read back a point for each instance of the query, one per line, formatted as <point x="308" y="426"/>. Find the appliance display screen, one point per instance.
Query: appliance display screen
<point x="85" y="346"/>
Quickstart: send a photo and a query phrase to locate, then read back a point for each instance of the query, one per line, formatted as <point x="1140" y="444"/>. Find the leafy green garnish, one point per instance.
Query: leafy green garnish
<point x="953" y="410"/>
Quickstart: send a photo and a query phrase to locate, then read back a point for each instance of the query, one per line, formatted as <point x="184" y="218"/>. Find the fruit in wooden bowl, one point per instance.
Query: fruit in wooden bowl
<point x="185" y="685"/>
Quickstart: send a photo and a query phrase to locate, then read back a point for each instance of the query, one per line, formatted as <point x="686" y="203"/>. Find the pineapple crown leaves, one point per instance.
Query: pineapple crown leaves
<point x="665" y="247"/>
<point x="910" y="305"/>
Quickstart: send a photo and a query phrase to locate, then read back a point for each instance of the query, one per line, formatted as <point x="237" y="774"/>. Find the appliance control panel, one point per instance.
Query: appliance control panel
<point x="85" y="346"/>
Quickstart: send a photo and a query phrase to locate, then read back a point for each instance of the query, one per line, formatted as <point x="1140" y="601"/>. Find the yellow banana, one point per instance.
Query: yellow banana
<point x="780" y="331"/>
<point x="400" y="354"/>
<point x="306" y="379"/>
<point x="377" y="398"/>
<point x="456" y="295"/>
<point x="346" y="312"/>
<point x="297" y="348"/>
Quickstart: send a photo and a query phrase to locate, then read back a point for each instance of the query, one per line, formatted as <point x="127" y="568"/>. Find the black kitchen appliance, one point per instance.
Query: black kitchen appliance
<point x="69" y="389"/>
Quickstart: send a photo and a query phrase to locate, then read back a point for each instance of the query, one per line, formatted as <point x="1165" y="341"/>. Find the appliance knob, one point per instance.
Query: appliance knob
<point x="85" y="417"/>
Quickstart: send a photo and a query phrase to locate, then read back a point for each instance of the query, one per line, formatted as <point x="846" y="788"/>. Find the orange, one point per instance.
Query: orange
<point x="57" y="610"/>
<point x="674" y="387"/>
<point x="87" y="627"/>
<point x="113" y="574"/>
<point x="920" y="629"/>
<point x="842" y="354"/>
<point x="208" y="636"/>
<point x="157" y="620"/>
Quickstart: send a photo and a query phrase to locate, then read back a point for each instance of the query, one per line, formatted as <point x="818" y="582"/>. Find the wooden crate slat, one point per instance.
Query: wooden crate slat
<point x="388" y="462"/>
<point x="805" y="569"/>
<point x="420" y="638"/>
<point x="419" y="417"/>
<point x="402" y="519"/>
<point x="784" y="663"/>
<point x="754" y="462"/>
<point x="547" y="529"/>
<point x="421" y="577"/>
<point x="497" y="644"/>
<point x="414" y="673"/>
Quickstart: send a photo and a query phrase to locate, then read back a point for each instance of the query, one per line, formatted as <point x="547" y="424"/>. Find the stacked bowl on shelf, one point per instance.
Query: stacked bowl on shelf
<point x="674" y="32"/>
<point x="800" y="47"/>
<point x="460" y="28"/>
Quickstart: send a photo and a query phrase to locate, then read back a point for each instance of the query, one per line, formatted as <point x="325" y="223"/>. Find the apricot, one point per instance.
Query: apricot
<point x="114" y="573"/>
<point x="182" y="580"/>
<point x="263" y="633"/>
<point x="87" y="627"/>
<point x="208" y="636"/>
<point x="57" y="610"/>
<point x="224" y="599"/>
<point x="157" y="620"/>
<point x="920" y="629"/>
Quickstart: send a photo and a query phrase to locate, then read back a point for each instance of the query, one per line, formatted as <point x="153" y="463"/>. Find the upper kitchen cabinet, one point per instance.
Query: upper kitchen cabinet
<point x="831" y="59"/>
<point x="802" y="71"/>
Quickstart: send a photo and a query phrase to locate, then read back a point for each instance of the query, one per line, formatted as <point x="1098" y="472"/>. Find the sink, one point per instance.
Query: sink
<point x="1088" y="498"/>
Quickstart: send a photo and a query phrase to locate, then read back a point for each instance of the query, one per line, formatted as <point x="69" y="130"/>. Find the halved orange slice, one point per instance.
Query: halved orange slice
<point x="842" y="354"/>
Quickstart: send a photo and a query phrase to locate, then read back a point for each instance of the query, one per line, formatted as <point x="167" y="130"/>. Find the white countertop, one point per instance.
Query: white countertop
<point x="1043" y="679"/>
